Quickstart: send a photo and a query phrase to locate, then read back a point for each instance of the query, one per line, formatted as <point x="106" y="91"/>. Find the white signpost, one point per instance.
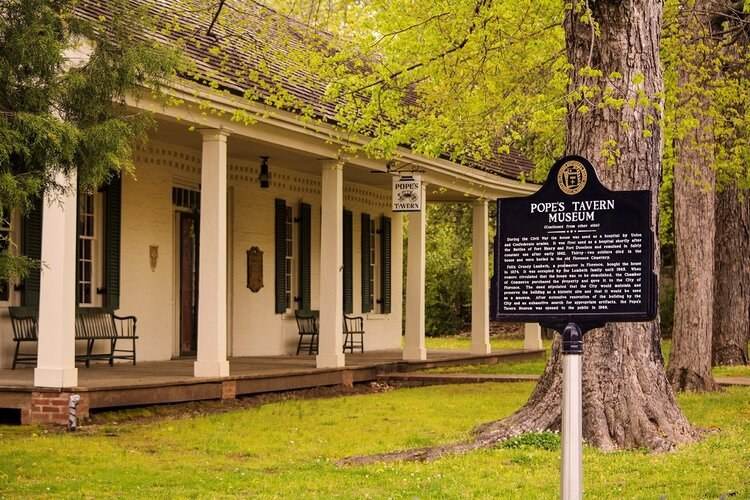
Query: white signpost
<point x="407" y="194"/>
<point x="571" y="482"/>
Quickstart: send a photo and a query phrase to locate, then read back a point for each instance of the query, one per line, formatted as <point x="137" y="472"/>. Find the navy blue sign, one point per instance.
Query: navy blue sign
<point x="574" y="252"/>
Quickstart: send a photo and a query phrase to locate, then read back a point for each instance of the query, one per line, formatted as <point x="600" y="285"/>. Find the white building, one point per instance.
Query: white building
<point x="170" y="244"/>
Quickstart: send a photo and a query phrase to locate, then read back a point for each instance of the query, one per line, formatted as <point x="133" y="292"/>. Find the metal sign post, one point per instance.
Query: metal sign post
<point x="571" y="481"/>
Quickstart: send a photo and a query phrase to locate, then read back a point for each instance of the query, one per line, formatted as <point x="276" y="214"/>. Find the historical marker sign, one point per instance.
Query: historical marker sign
<point x="575" y="252"/>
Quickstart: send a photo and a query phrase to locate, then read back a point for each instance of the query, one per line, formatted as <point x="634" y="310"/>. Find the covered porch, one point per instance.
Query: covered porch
<point x="163" y="382"/>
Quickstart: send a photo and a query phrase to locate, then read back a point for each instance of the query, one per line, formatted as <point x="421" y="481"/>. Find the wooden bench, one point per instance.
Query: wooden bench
<point x="92" y="324"/>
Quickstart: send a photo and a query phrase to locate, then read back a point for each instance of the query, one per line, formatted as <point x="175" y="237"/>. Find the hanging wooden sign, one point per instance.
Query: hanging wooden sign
<point x="407" y="193"/>
<point x="255" y="269"/>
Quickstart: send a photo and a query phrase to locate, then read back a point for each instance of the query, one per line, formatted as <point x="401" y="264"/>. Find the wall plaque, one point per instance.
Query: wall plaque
<point x="574" y="252"/>
<point x="255" y="269"/>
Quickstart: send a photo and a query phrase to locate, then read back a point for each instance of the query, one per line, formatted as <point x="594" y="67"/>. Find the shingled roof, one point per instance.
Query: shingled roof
<point x="249" y="63"/>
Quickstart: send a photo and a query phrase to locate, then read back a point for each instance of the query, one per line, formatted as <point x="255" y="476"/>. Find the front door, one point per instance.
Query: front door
<point x="189" y="238"/>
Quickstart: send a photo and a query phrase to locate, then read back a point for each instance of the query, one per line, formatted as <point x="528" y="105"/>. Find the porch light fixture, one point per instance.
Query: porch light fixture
<point x="264" y="177"/>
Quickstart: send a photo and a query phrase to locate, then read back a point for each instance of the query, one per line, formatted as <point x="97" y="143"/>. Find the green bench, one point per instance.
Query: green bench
<point x="92" y="324"/>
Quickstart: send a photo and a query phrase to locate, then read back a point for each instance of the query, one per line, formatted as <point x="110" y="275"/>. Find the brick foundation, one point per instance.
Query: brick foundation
<point x="229" y="389"/>
<point x="52" y="408"/>
<point x="347" y="379"/>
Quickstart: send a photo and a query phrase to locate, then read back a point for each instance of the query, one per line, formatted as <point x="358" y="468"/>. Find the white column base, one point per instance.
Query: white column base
<point x="415" y="354"/>
<point x="532" y="337"/>
<point x="483" y="348"/>
<point x="55" y="377"/>
<point x="330" y="360"/>
<point x="211" y="369"/>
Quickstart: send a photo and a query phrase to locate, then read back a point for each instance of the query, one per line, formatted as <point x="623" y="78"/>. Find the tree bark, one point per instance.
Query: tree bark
<point x="627" y="399"/>
<point x="731" y="331"/>
<point x="694" y="211"/>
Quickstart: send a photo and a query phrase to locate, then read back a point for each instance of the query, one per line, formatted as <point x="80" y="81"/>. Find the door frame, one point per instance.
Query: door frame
<point x="180" y="215"/>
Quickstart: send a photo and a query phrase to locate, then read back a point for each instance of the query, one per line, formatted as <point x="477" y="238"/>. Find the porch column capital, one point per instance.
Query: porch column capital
<point x="214" y="134"/>
<point x="333" y="165"/>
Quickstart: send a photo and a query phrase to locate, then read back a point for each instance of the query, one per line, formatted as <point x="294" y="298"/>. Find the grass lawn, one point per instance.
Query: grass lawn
<point x="287" y="449"/>
<point x="463" y="343"/>
<point x="537" y="367"/>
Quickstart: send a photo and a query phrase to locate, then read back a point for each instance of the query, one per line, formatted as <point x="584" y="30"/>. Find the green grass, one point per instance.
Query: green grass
<point x="536" y="367"/>
<point x="532" y="367"/>
<point x="732" y="371"/>
<point x="288" y="449"/>
<point x="463" y="343"/>
<point x="718" y="371"/>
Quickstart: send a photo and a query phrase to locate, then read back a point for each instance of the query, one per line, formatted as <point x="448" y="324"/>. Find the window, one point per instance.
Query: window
<point x="5" y="234"/>
<point x="289" y="259"/>
<point x="86" y="248"/>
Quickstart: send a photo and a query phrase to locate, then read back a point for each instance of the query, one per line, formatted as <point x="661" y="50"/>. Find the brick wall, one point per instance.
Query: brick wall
<point x="52" y="408"/>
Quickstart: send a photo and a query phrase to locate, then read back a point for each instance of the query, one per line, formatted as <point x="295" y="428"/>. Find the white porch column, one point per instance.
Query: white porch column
<point x="480" y="280"/>
<point x="414" y="348"/>
<point x="57" y="294"/>
<point x="330" y="343"/>
<point x="212" y="273"/>
<point x="532" y="336"/>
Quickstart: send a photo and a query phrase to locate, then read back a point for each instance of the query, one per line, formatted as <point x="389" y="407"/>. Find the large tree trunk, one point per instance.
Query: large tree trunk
<point x="732" y="278"/>
<point x="627" y="399"/>
<point x="694" y="195"/>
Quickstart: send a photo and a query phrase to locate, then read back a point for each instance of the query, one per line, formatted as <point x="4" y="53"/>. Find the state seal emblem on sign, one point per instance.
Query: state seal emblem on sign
<point x="571" y="177"/>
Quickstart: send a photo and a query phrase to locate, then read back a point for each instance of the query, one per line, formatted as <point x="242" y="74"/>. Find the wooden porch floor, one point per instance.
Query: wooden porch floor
<point x="173" y="381"/>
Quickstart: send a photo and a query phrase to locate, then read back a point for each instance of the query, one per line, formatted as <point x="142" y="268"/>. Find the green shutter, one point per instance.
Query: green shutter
<point x="305" y="248"/>
<point x="112" y="229"/>
<point x="348" y="264"/>
<point x="365" y="254"/>
<point x="385" y="265"/>
<point x="280" y="248"/>
<point x="32" y="248"/>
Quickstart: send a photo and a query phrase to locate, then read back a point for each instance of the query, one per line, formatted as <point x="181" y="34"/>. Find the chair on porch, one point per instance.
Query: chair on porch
<point x="353" y="328"/>
<point x="307" y="328"/>
<point x="23" y="321"/>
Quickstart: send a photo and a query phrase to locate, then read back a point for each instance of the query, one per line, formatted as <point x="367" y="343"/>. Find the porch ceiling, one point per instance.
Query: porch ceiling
<point x="181" y="134"/>
<point x="447" y="189"/>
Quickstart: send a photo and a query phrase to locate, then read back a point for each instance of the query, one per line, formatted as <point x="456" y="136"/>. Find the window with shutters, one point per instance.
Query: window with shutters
<point x="373" y="265"/>
<point x="289" y="260"/>
<point x="5" y="238"/>
<point x="89" y="209"/>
